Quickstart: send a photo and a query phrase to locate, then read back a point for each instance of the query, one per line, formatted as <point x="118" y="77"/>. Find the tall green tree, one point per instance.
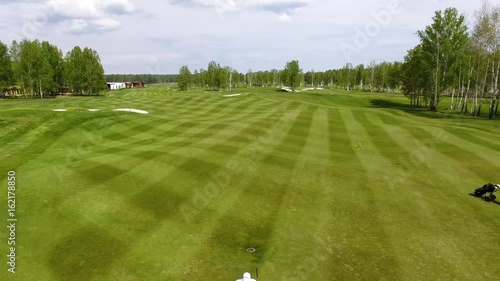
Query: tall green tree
<point x="486" y="44"/>
<point x="212" y="75"/>
<point x="94" y="79"/>
<point x="442" y="43"/>
<point x="84" y="72"/>
<point x="6" y="73"/>
<point x="34" y="68"/>
<point x="74" y="69"/>
<point x="54" y="57"/>
<point x="15" y="56"/>
<point x="185" y="78"/>
<point x="415" y="73"/>
<point x="292" y="74"/>
<point x="223" y="77"/>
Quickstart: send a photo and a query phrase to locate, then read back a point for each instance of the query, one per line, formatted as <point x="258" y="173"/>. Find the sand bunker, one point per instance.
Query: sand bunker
<point x="233" y="95"/>
<point x="59" y="110"/>
<point x="132" y="110"/>
<point x="93" y="110"/>
<point x="312" y="89"/>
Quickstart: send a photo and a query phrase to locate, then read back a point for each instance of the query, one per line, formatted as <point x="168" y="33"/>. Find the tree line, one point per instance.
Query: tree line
<point x="221" y="78"/>
<point x="455" y="60"/>
<point x="382" y="77"/>
<point x="36" y="69"/>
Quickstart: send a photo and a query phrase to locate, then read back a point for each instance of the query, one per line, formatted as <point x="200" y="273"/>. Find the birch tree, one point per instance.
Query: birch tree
<point x="442" y="43"/>
<point x="293" y="76"/>
<point x="34" y="67"/>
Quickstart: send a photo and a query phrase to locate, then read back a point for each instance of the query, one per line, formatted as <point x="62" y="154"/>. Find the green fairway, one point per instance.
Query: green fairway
<point x="325" y="185"/>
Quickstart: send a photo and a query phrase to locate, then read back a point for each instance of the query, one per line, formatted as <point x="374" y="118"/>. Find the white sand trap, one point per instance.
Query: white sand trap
<point x="233" y="95"/>
<point x="59" y="110"/>
<point x="94" y="110"/>
<point x="312" y="89"/>
<point x="132" y="110"/>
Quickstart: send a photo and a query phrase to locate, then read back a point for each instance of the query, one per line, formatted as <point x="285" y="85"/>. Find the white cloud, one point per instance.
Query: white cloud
<point x="118" y="7"/>
<point x="283" y="8"/>
<point x="284" y="17"/>
<point x="106" y="24"/>
<point x="86" y="16"/>
<point x="87" y="26"/>
<point x="77" y="25"/>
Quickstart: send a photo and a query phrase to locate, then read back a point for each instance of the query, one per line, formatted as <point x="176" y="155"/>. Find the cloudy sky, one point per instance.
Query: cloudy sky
<point x="159" y="36"/>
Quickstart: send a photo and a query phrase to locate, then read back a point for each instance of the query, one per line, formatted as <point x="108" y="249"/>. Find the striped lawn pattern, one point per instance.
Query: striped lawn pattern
<point x="323" y="185"/>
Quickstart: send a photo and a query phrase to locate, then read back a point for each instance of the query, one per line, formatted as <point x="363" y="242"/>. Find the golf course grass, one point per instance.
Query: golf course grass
<point x="324" y="185"/>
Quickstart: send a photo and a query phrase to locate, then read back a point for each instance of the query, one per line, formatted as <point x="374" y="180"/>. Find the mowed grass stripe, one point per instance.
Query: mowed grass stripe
<point x="250" y="153"/>
<point x="287" y="152"/>
<point x="249" y="116"/>
<point x="150" y="195"/>
<point x="204" y="212"/>
<point x="44" y="139"/>
<point x="340" y="147"/>
<point x="181" y="135"/>
<point x="146" y="152"/>
<point x="147" y="129"/>
<point x="211" y="109"/>
<point x="337" y="219"/>
<point x="236" y="109"/>
<point x="382" y="140"/>
<point x="186" y="109"/>
<point x="364" y="147"/>
<point x="416" y="198"/>
<point x="351" y="214"/>
<point x="372" y="203"/>
<point x="307" y="205"/>
<point x="481" y="160"/>
<point x="113" y="172"/>
<point x="476" y="137"/>
<point x="252" y="226"/>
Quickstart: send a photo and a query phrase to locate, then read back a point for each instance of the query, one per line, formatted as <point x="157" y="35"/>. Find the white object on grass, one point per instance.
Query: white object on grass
<point x="233" y="95"/>
<point x="59" y="110"/>
<point x="93" y="110"/>
<point x="132" y="110"/>
<point x="246" y="277"/>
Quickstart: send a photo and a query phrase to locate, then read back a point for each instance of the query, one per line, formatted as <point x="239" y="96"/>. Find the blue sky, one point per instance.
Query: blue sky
<point x="159" y="36"/>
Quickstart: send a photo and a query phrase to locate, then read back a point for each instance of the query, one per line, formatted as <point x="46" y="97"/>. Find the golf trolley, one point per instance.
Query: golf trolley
<point x="489" y="187"/>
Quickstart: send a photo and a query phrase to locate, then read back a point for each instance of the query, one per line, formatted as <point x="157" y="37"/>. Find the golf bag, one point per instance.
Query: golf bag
<point x="489" y="187"/>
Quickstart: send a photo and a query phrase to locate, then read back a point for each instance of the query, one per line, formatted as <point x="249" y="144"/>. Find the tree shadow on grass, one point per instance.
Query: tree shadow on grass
<point x="418" y="110"/>
<point x="381" y="103"/>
